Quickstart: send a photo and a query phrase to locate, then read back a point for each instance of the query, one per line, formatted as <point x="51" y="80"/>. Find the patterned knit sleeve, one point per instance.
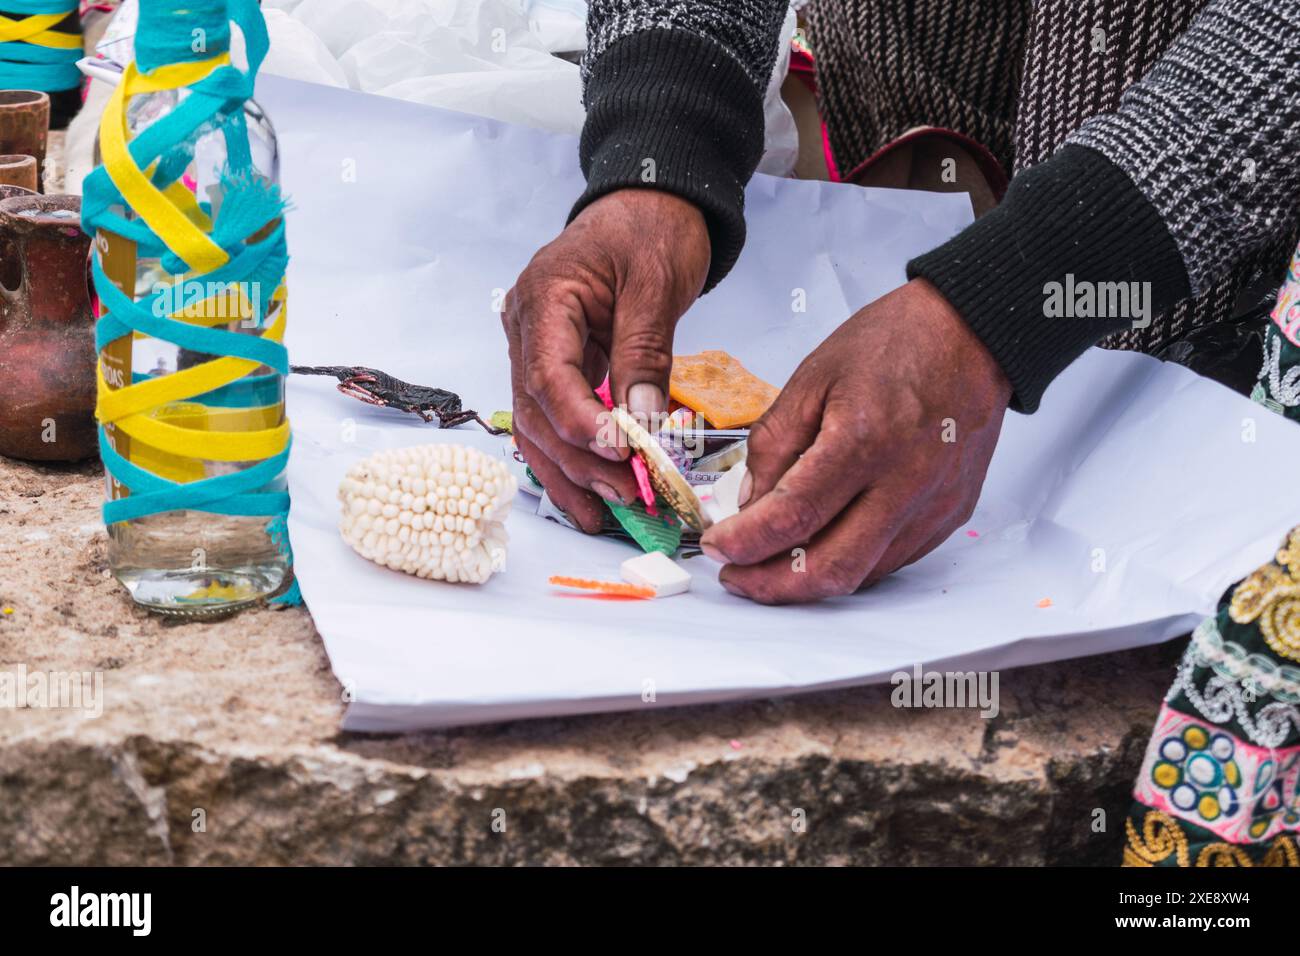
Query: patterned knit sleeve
<point x="674" y="96"/>
<point x="1211" y="135"/>
<point x="1195" y="171"/>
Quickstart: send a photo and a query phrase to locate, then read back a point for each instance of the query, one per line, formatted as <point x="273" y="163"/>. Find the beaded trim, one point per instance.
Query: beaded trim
<point x="1231" y="662"/>
<point x="1240" y="679"/>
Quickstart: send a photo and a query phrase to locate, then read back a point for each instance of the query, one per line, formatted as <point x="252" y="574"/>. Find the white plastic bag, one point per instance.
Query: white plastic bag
<point x="298" y="52"/>
<point x="488" y="57"/>
<point x="473" y="56"/>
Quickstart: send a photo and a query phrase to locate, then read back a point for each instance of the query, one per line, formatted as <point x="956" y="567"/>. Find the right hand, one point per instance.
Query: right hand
<point x="605" y="296"/>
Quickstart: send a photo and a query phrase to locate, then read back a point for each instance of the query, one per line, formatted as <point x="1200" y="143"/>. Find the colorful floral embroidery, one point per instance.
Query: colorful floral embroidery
<point x="1195" y="772"/>
<point x="1279" y="378"/>
<point x="1286" y="313"/>
<point x="1162" y="841"/>
<point x="1272" y="596"/>
<point x="1161" y="838"/>
<point x="1220" y="782"/>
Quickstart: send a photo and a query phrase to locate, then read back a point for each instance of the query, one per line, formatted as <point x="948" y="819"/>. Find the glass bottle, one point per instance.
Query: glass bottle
<point x="192" y="563"/>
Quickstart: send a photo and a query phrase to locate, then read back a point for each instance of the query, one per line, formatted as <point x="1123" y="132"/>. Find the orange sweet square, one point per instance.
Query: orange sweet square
<point x="717" y="386"/>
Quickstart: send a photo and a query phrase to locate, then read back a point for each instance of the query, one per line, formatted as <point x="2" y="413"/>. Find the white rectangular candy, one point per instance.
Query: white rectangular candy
<point x="657" y="570"/>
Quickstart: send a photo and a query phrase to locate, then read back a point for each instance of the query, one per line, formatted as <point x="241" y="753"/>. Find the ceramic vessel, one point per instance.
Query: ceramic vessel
<point x="47" y="343"/>
<point x="19" y="171"/>
<point x="25" y="124"/>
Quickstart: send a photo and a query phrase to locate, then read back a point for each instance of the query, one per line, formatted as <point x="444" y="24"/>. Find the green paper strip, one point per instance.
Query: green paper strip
<point x="661" y="533"/>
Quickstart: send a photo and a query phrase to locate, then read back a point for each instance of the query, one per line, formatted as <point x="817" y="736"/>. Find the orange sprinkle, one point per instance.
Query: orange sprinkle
<point x="604" y="587"/>
<point x="1045" y="602"/>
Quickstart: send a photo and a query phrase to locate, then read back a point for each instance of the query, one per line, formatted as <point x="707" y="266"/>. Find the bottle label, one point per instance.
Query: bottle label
<point x="117" y="258"/>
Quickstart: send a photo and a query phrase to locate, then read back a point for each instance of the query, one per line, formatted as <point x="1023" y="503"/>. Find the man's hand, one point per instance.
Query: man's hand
<point x="604" y="296"/>
<point x="872" y="455"/>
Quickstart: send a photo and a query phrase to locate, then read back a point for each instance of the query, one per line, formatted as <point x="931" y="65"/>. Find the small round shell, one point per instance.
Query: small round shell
<point x="665" y="477"/>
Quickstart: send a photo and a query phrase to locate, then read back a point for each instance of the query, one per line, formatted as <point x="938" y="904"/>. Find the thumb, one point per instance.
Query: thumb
<point x="641" y="355"/>
<point x="785" y="432"/>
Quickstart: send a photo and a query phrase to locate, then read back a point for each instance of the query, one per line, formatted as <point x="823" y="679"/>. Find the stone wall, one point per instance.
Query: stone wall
<point x="219" y="744"/>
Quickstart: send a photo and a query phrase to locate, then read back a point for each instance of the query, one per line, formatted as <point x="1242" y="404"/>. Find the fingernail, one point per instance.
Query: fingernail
<point x="644" y="401"/>
<point x="711" y="552"/>
<point x="603" y="450"/>
<point x="607" y="492"/>
<point x="746" y="489"/>
<point x="735" y="589"/>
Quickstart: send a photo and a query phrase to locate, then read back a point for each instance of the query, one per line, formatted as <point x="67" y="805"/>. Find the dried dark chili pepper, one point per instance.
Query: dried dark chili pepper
<point x="379" y="388"/>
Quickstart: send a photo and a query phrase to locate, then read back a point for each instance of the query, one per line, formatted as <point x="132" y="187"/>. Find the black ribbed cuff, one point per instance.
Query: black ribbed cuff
<point x="670" y="110"/>
<point x="1075" y="220"/>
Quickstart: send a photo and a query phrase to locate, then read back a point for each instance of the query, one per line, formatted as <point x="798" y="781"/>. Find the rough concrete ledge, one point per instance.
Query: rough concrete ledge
<point x="219" y="744"/>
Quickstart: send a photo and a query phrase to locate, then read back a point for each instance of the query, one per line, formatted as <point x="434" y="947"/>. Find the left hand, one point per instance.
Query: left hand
<point x="871" y="456"/>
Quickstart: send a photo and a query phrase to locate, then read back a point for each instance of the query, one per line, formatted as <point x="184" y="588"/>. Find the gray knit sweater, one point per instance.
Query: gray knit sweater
<point x="1198" y="168"/>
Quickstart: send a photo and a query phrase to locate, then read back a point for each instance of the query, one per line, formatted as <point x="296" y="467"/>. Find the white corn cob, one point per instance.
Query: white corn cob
<point x="435" y="511"/>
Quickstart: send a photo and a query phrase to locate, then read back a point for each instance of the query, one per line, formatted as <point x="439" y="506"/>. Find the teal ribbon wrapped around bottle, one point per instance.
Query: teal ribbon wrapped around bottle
<point x="237" y="249"/>
<point x="39" y="45"/>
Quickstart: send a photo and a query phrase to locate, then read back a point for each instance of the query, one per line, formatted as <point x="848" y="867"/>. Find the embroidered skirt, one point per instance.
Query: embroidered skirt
<point x="1220" y="782"/>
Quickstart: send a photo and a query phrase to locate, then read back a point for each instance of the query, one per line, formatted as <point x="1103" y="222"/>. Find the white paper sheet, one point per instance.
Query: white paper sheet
<point x="408" y="225"/>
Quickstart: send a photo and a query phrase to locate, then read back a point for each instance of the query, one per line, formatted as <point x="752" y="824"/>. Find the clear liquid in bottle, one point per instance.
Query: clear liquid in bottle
<point x="193" y="563"/>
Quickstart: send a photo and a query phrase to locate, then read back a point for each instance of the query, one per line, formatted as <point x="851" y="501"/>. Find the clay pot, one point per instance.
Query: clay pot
<point x="25" y="124"/>
<point x="47" y="343"/>
<point x="18" y="171"/>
